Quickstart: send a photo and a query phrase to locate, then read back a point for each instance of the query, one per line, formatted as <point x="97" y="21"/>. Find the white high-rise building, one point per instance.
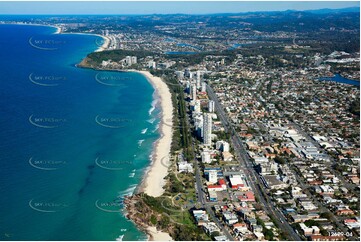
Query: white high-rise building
<point x="207" y="129"/>
<point x="212" y="176"/>
<point x="198" y="75"/>
<point x="197" y="106"/>
<point x="128" y="60"/>
<point x="193" y="92"/>
<point x="206" y="157"/>
<point x="211" y="106"/>
<point x="190" y="75"/>
<point x="198" y="80"/>
<point x="198" y="123"/>
<point x="134" y="60"/>
<point x="222" y="146"/>
<point x="203" y="87"/>
<point x="151" y="64"/>
<point x="225" y="147"/>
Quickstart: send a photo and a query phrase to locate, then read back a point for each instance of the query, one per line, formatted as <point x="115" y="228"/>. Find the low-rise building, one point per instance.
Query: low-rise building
<point x="230" y="218"/>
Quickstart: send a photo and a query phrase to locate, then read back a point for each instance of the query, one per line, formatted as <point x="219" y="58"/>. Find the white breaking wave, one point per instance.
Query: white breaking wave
<point x="120" y="238"/>
<point x="144" y="131"/>
<point x="151" y="120"/>
<point x="156" y="128"/>
<point x="128" y="192"/>
<point x="140" y="142"/>
<point x="154" y="103"/>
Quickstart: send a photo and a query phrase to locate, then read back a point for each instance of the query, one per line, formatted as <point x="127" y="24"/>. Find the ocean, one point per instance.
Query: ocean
<point x="73" y="142"/>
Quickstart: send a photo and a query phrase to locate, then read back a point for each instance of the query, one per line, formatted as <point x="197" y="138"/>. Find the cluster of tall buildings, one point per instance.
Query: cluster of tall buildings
<point x="203" y="120"/>
<point x="130" y="60"/>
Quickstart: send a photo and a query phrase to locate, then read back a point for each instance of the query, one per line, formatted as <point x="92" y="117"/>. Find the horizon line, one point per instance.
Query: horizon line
<point x="144" y="14"/>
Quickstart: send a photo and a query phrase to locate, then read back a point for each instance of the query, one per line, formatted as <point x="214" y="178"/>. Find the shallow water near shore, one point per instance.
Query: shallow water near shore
<point x="73" y="141"/>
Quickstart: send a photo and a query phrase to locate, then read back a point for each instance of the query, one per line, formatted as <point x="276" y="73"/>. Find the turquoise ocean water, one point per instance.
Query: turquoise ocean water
<point x="73" y="141"/>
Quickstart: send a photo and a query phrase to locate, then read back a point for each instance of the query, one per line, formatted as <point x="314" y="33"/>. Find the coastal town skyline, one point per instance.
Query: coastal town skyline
<point x="180" y="121"/>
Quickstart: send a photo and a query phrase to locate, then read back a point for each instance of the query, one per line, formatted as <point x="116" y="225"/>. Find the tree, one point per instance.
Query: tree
<point x="327" y="215"/>
<point x="153" y="219"/>
<point x="280" y="160"/>
<point x="310" y="223"/>
<point x="215" y="234"/>
<point x="355" y="107"/>
<point x="268" y="234"/>
<point x="164" y="222"/>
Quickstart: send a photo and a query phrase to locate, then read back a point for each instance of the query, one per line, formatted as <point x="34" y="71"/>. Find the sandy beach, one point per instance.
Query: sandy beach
<point x="105" y="44"/>
<point x="154" y="180"/>
<point x="58" y="30"/>
<point x="156" y="235"/>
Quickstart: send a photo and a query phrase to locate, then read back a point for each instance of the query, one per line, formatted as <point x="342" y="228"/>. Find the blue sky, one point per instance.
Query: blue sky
<point x="164" y="7"/>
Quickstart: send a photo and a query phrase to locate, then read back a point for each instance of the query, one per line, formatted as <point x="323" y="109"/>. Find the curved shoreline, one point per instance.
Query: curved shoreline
<point x="154" y="178"/>
<point x="103" y="47"/>
<point x="59" y="30"/>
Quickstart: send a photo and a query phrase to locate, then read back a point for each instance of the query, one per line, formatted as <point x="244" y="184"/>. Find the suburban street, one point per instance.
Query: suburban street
<point x="253" y="178"/>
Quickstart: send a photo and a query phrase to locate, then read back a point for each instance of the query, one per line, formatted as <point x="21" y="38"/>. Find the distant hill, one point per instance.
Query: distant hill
<point x="289" y="11"/>
<point x="328" y="10"/>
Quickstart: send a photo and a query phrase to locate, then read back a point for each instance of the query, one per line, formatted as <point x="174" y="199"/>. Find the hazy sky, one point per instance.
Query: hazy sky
<point x="163" y="7"/>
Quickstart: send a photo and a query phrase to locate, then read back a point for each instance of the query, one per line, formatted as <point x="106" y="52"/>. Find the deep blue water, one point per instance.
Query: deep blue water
<point x="340" y="79"/>
<point x="71" y="139"/>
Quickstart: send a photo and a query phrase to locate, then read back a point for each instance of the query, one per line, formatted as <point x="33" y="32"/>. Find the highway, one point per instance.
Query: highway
<point x="251" y="175"/>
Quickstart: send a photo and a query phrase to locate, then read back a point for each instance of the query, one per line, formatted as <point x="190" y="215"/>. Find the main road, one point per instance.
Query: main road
<point x="201" y="197"/>
<point x="251" y="175"/>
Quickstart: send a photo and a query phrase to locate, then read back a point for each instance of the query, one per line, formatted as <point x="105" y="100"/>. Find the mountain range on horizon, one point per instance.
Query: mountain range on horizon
<point x="312" y="11"/>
